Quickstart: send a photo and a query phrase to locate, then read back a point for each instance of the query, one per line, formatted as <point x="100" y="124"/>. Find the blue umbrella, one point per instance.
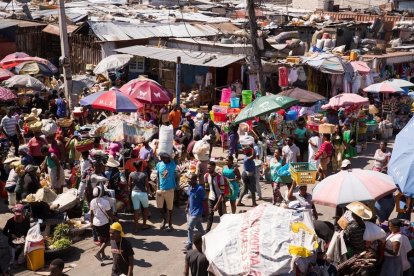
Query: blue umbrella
<point x="401" y="165"/>
<point x="112" y="100"/>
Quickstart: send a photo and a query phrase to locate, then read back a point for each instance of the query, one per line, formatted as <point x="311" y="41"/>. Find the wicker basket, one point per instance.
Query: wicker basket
<point x="303" y="173"/>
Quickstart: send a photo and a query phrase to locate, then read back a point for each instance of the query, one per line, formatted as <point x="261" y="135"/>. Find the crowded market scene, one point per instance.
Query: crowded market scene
<point x="205" y="138"/>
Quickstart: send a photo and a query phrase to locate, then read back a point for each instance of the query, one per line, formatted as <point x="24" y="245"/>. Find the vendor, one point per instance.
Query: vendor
<point x="30" y="180"/>
<point x="382" y="157"/>
<point x="15" y="228"/>
<point x="354" y="231"/>
<point x="301" y="138"/>
<point x="304" y="198"/>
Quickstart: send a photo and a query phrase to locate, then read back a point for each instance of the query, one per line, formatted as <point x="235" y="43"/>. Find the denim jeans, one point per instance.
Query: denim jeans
<point x="193" y="222"/>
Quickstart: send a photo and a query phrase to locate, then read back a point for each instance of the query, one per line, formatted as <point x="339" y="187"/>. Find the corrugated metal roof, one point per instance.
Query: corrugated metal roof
<point x="6" y="23"/>
<point x="187" y="57"/>
<point x="114" y="30"/>
<point x="53" y="29"/>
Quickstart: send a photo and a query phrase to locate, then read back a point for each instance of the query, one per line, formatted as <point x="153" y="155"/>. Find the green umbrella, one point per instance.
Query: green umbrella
<point x="264" y="105"/>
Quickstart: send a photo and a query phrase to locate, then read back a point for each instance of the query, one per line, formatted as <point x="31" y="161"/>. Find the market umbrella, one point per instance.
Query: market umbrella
<point x="33" y="68"/>
<point x="400" y="83"/>
<point x="5" y="74"/>
<point x="401" y="165"/>
<point x="352" y="185"/>
<point x="6" y="95"/>
<point x="383" y="87"/>
<point x="123" y="128"/>
<point x="304" y="97"/>
<point x="79" y="82"/>
<point x="24" y="81"/>
<point x="327" y="63"/>
<point x="112" y="100"/>
<point x="345" y="100"/>
<point x="112" y="62"/>
<point x="262" y="241"/>
<point x="16" y="61"/>
<point x="264" y="105"/>
<point x="146" y="91"/>
<point x="12" y="60"/>
<point x="361" y="67"/>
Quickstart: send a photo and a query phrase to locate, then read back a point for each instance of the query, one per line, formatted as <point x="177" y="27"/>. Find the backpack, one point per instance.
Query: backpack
<point x="225" y="189"/>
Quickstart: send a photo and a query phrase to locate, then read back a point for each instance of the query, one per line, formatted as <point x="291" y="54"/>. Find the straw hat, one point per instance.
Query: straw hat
<point x="36" y="126"/>
<point x="112" y="162"/>
<point x="11" y="158"/>
<point x="360" y="209"/>
<point x="36" y="111"/>
<point x="64" y="122"/>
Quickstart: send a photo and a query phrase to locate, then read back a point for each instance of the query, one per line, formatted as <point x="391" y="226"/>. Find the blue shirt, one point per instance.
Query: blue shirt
<point x="168" y="182"/>
<point x="249" y="165"/>
<point x="196" y="197"/>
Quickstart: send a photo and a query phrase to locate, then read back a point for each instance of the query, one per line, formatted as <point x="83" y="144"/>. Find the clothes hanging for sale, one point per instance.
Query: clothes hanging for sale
<point x="293" y="75"/>
<point x="301" y="74"/>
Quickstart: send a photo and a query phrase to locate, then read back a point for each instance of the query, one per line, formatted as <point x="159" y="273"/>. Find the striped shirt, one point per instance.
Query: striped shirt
<point x="9" y="125"/>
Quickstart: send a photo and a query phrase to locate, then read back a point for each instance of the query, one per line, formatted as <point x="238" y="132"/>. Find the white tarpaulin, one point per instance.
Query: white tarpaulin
<point x="262" y="241"/>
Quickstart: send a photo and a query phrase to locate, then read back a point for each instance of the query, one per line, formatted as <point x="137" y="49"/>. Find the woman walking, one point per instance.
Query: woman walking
<point x="350" y="150"/>
<point x="138" y="182"/>
<point x="339" y="147"/>
<point x="52" y="166"/>
<point x="233" y="176"/>
<point x="275" y="164"/>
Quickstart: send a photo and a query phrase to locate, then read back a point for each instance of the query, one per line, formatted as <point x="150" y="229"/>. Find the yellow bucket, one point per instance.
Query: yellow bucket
<point x="212" y="115"/>
<point x="36" y="259"/>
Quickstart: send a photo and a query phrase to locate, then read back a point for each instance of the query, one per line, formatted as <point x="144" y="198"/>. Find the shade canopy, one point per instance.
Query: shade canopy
<point x="400" y="83"/>
<point x="383" y="87"/>
<point x="401" y="165"/>
<point x="352" y="185"/>
<point x="33" y="68"/>
<point x="112" y="100"/>
<point x="264" y="105"/>
<point x="5" y="74"/>
<point x="12" y="60"/>
<point x="146" y="91"/>
<point x="112" y="62"/>
<point x="304" y="97"/>
<point x="6" y="95"/>
<point x="345" y="100"/>
<point x="24" y="81"/>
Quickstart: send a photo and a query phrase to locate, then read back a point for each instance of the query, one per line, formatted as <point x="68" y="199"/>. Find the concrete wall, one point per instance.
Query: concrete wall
<point x="360" y="4"/>
<point x="310" y="4"/>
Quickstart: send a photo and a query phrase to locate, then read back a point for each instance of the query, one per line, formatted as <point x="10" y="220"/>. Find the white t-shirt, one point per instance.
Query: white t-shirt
<point x="291" y="153"/>
<point x="98" y="206"/>
<point x="313" y="150"/>
<point x="405" y="247"/>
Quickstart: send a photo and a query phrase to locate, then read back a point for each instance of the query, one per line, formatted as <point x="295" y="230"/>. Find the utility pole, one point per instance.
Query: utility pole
<point x="65" y="58"/>
<point x="177" y="80"/>
<point x="257" y="61"/>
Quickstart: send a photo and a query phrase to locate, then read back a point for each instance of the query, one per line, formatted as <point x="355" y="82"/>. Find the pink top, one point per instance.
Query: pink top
<point x="54" y="148"/>
<point x="35" y="146"/>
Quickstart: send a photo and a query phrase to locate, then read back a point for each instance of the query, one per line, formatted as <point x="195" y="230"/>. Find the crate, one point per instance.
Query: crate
<point x="284" y="179"/>
<point x="303" y="173"/>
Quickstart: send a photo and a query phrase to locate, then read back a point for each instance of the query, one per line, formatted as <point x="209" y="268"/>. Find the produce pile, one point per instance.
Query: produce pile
<point x="60" y="238"/>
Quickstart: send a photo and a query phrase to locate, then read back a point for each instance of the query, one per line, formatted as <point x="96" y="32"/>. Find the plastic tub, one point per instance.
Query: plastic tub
<point x="36" y="259"/>
<point x="219" y="117"/>
<point x="235" y="102"/>
<point x="291" y="115"/>
<point x="247" y="96"/>
<point x="225" y="95"/>
<point x="219" y="109"/>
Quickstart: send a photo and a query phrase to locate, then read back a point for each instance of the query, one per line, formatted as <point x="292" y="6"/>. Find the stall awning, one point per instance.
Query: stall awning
<point x="187" y="57"/>
<point x="393" y="58"/>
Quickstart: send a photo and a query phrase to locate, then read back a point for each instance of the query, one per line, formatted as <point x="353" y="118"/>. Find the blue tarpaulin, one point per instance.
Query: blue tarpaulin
<point x="401" y="165"/>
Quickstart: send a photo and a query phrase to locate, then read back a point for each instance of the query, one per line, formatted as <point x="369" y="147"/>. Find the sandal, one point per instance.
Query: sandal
<point x="98" y="257"/>
<point x="106" y="258"/>
<point x="240" y="204"/>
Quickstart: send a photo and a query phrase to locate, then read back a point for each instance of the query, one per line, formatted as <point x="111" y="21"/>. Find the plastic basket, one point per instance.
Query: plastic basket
<point x="303" y="173"/>
<point x="86" y="146"/>
<point x="285" y="179"/>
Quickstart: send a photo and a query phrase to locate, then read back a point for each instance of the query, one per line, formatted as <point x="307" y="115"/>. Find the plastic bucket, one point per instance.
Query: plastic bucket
<point x="291" y="115"/>
<point x="36" y="259"/>
<point x="219" y="117"/>
<point x="247" y="96"/>
<point x="225" y="95"/>
<point x="234" y="102"/>
<point x="212" y="115"/>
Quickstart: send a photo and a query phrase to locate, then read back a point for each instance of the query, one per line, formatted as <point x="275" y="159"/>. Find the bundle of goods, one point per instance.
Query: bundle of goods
<point x="60" y="239"/>
<point x="165" y="144"/>
<point x="362" y="264"/>
<point x="84" y="145"/>
<point x="326" y="128"/>
<point x="191" y="99"/>
<point x="64" y="122"/>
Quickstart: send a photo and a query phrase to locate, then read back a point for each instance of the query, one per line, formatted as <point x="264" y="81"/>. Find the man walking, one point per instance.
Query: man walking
<point x="166" y="186"/>
<point x="194" y="209"/>
<point x="214" y="181"/>
<point x="248" y="177"/>
<point x="195" y="260"/>
<point x="10" y="128"/>
<point x="122" y="252"/>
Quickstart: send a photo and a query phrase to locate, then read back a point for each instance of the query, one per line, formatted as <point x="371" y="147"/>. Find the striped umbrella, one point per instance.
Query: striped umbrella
<point x="352" y="185"/>
<point x="383" y="87"/>
<point x="112" y="100"/>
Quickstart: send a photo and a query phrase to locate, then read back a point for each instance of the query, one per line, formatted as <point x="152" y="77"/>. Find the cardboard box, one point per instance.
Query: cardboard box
<point x="326" y="128"/>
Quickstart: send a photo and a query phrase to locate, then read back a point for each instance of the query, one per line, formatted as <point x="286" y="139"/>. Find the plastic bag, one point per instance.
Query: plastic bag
<point x="284" y="171"/>
<point x="373" y="232"/>
<point x="34" y="239"/>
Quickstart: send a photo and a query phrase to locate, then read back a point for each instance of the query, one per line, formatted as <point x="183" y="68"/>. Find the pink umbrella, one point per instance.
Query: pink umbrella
<point x="6" y="95"/>
<point x="10" y="60"/>
<point x="5" y="74"/>
<point x="361" y="66"/>
<point x="345" y="100"/>
<point x="112" y="100"/>
<point x="146" y="91"/>
<point x="352" y="185"/>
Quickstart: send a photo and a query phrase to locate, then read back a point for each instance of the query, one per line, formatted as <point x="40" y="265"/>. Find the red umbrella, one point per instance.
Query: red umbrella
<point x="5" y="74"/>
<point x="146" y="91"/>
<point x="6" y="95"/>
<point x="112" y="100"/>
<point x="12" y="60"/>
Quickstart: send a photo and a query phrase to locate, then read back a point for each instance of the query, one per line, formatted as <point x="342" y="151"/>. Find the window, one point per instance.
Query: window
<point x="137" y="65"/>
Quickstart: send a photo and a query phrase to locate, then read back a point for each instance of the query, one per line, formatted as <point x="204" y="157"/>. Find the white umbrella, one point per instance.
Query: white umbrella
<point x="112" y="62"/>
<point x="400" y="83"/>
<point x="352" y="185"/>
<point x="383" y="87"/>
<point x="24" y="81"/>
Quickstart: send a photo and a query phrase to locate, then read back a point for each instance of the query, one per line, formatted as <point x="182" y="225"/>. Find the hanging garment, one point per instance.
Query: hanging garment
<point x="293" y="75"/>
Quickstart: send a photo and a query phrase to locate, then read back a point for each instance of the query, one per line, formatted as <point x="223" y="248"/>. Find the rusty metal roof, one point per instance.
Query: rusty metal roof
<point x="54" y="29"/>
<point x="6" y="23"/>
<point x="187" y="57"/>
